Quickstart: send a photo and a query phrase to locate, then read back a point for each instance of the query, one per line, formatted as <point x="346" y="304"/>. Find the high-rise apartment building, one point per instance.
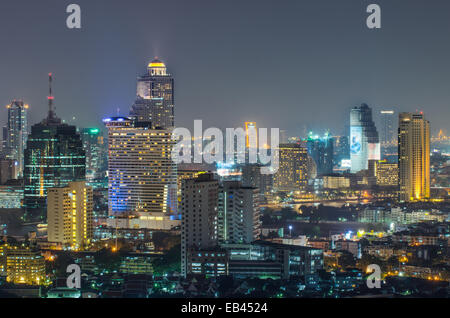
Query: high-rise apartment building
<point x="199" y="198"/>
<point x="364" y="141"/>
<point x="292" y="171"/>
<point x="142" y="175"/>
<point x="155" y="97"/>
<point x="16" y="133"/>
<point x="414" y="157"/>
<point x="54" y="156"/>
<point x="238" y="217"/>
<point x="69" y="215"/>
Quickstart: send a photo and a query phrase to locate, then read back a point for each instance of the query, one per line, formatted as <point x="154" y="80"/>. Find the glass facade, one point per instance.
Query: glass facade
<point x="16" y="133"/>
<point x="54" y="156"/>
<point x="95" y="148"/>
<point x="321" y="151"/>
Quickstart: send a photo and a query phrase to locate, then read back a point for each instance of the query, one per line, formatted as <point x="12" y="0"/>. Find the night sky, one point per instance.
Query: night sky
<point x="292" y="64"/>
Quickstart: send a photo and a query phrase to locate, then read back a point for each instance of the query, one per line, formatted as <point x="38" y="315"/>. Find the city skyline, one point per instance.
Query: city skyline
<point x="236" y="150"/>
<point x="92" y="84"/>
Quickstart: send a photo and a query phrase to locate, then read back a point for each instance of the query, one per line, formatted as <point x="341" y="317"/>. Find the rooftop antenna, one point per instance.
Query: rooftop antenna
<point x="51" y="112"/>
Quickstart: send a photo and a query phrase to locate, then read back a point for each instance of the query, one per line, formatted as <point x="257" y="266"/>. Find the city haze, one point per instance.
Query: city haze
<point x="296" y="65"/>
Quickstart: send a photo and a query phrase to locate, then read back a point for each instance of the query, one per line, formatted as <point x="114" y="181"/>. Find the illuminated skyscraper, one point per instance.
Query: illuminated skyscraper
<point x="142" y="175"/>
<point x="93" y="144"/>
<point x="388" y="137"/>
<point x="321" y="151"/>
<point x="54" y="156"/>
<point x="250" y="127"/>
<point x="292" y="171"/>
<point x="17" y="133"/>
<point x="364" y="142"/>
<point x="414" y="157"/>
<point x="155" y="97"/>
<point x="69" y="214"/>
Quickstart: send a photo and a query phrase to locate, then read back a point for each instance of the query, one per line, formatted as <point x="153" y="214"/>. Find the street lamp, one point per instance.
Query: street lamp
<point x="290" y="231"/>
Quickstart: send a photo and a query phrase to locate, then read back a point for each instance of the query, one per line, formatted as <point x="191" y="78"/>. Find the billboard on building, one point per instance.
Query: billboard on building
<point x="355" y="140"/>
<point x="374" y="151"/>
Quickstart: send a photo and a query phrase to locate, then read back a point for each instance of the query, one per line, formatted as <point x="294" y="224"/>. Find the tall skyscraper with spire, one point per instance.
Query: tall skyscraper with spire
<point x="54" y="156"/>
<point x="155" y="97"/>
<point x="414" y="157"/>
<point x="16" y="133"/>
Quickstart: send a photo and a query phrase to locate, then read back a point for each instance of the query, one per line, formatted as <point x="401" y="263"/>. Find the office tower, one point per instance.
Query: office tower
<point x="142" y="175"/>
<point x="386" y="173"/>
<point x="22" y="263"/>
<point x="321" y="151"/>
<point x="238" y="217"/>
<point x="292" y="171"/>
<point x="364" y="142"/>
<point x="54" y="156"/>
<point x="199" y="198"/>
<point x="414" y="157"/>
<point x="69" y="215"/>
<point x="387" y="134"/>
<point x="155" y="97"/>
<point x="251" y="127"/>
<point x="17" y="133"/>
<point x="93" y="144"/>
